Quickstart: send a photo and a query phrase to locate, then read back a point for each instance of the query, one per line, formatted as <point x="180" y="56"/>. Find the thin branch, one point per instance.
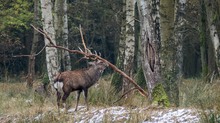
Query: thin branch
<point x="125" y="94"/>
<point x="83" y="41"/>
<point x="32" y="55"/>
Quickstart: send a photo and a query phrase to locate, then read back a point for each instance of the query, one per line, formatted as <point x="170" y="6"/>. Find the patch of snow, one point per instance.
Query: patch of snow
<point x="97" y="116"/>
<point x="38" y="117"/>
<point x="175" y="116"/>
<point x="28" y="101"/>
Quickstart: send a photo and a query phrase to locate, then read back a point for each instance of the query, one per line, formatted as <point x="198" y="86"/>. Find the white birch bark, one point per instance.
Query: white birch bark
<point x="213" y="31"/>
<point x="179" y="22"/>
<point x="66" y="55"/>
<point x="61" y="28"/>
<point x="129" y="42"/>
<point x="150" y="37"/>
<point x="51" y="52"/>
<point x="177" y="65"/>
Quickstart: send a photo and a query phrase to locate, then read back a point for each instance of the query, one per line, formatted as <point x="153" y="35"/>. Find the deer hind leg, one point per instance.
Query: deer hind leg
<point x="58" y="100"/>
<point x="64" y="100"/>
<point x="77" y="98"/>
<point x="86" y="95"/>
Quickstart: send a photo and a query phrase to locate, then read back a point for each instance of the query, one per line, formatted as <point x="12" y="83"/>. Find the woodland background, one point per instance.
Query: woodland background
<point x="152" y="41"/>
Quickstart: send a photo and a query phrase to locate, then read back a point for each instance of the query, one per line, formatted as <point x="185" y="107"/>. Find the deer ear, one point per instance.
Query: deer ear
<point x="91" y="63"/>
<point x="98" y="61"/>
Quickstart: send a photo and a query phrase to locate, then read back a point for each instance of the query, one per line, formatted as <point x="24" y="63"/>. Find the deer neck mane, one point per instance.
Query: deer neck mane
<point x="93" y="74"/>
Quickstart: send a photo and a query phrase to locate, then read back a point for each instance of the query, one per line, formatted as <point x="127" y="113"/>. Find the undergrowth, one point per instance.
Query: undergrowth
<point x="202" y="95"/>
<point x="24" y="104"/>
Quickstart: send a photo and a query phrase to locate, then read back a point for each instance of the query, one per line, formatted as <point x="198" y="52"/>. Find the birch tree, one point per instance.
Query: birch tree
<point x="51" y="52"/>
<point x="117" y="78"/>
<point x="179" y="23"/>
<point x="150" y="36"/>
<point x="212" y="14"/>
<point x="129" y="42"/>
<point x="61" y="29"/>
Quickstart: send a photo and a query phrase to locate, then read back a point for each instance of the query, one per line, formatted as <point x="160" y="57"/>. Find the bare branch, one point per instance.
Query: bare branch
<point x="32" y="55"/>
<point x="80" y="29"/>
<point x="125" y="94"/>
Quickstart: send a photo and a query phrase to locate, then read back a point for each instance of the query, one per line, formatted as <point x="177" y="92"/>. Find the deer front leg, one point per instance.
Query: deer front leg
<point x="77" y="99"/>
<point x="86" y="95"/>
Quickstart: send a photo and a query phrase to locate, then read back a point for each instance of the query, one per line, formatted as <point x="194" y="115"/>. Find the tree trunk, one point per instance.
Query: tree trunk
<point x="31" y="62"/>
<point x="129" y="43"/>
<point x="203" y="38"/>
<point x="117" y="78"/>
<point x="179" y="23"/>
<point x="61" y="28"/>
<point x="211" y="8"/>
<point x="150" y="36"/>
<point x="51" y="52"/>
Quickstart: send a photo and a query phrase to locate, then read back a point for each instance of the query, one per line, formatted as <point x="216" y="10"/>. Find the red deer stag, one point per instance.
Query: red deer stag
<point x="78" y="80"/>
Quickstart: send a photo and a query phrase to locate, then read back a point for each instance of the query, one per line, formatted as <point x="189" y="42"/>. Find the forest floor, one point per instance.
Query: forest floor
<point x="116" y="114"/>
<point x="18" y="104"/>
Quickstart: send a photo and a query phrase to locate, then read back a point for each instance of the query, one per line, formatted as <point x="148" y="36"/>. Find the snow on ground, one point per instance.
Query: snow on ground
<point x="113" y="114"/>
<point x="123" y="114"/>
<point x="175" y="116"/>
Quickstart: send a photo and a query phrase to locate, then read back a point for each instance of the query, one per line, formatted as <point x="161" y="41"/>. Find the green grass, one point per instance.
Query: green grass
<point x="200" y="94"/>
<point x="203" y="96"/>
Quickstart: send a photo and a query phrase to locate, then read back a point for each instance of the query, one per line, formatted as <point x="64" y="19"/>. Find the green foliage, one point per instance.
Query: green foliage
<point x="15" y="14"/>
<point x="16" y="17"/>
<point x="159" y="96"/>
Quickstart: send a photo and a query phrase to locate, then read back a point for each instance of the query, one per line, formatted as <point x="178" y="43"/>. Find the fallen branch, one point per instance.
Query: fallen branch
<point x="94" y="56"/>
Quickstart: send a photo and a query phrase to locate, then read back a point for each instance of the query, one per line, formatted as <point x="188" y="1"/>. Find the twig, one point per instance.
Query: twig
<point x="125" y="94"/>
<point x="32" y="55"/>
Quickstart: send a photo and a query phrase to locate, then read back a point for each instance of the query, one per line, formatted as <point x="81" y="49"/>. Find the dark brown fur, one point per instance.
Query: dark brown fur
<point x="79" y="80"/>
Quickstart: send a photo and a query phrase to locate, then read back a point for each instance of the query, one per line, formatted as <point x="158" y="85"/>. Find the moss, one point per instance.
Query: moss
<point x="159" y="96"/>
<point x="45" y="80"/>
<point x="116" y="81"/>
<point x="140" y="79"/>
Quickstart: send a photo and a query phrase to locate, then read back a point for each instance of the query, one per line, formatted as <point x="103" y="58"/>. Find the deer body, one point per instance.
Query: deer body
<point x="77" y="80"/>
